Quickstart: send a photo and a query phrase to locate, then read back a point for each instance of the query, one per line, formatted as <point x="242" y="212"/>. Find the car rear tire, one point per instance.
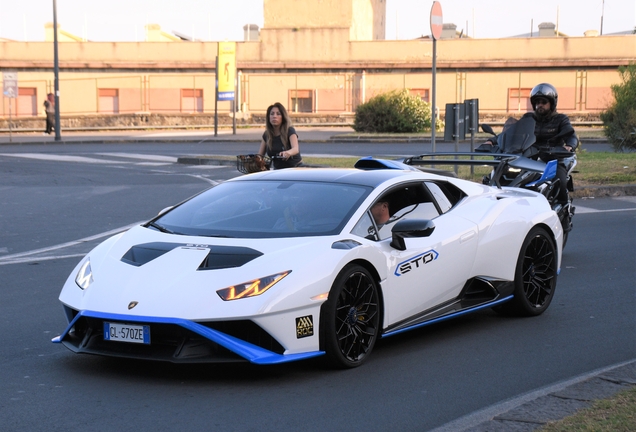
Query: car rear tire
<point x="535" y="276"/>
<point x="350" y="318"/>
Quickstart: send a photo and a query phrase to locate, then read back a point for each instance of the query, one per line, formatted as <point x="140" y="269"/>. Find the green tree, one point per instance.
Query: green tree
<point x="619" y="120"/>
<point x="396" y="111"/>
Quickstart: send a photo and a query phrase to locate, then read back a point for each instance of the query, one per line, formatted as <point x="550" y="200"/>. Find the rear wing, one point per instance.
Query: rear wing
<point x="499" y="161"/>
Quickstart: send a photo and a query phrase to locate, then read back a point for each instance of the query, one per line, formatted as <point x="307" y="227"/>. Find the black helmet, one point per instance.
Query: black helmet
<point x="544" y="90"/>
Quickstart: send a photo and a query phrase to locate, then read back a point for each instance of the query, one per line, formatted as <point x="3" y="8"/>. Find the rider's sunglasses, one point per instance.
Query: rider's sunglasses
<point x="541" y="102"/>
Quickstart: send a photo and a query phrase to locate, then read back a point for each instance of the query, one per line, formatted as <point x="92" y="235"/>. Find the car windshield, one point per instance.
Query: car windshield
<point x="265" y="209"/>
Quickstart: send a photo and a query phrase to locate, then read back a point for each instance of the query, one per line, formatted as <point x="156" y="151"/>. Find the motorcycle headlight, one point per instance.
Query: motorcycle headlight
<point x="84" y="277"/>
<point x="252" y="288"/>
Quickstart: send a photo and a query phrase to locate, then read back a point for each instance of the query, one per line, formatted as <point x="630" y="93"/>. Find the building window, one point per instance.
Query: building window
<point x="108" y="101"/>
<point x="301" y="101"/>
<point x="519" y="100"/>
<point x="192" y="100"/>
<point x="421" y="93"/>
<point x="27" y="102"/>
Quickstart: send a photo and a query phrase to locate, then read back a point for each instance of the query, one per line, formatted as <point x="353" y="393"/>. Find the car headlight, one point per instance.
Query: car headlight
<point x="84" y="277"/>
<point x="252" y="288"/>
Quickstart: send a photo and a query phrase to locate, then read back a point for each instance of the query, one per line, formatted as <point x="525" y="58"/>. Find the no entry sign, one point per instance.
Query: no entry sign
<point x="437" y="21"/>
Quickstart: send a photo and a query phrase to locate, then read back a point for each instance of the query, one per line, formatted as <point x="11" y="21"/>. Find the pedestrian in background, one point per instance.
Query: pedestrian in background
<point x="49" y="109"/>
<point x="280" y="140"/>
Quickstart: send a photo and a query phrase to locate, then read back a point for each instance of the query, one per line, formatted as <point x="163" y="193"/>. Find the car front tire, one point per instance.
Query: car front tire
<point x="350" y="318"/>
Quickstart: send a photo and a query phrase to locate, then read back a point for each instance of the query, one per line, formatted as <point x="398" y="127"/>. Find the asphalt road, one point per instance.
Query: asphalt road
<point x="55" y="205"/>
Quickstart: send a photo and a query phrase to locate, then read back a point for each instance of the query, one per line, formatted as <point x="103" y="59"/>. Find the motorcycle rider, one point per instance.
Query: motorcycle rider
<point x="552" y="129"/>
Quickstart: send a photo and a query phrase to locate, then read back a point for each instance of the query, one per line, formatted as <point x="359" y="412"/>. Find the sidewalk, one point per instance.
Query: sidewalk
<point x="309" y="134"/>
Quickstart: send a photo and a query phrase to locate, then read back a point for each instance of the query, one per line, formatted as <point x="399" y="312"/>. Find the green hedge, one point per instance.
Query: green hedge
<point x="619" y="120"/>
<point x="396" y="111"/>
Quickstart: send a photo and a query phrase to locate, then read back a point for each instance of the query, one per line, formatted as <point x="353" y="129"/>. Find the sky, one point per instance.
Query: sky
<point x="215" y="20"/>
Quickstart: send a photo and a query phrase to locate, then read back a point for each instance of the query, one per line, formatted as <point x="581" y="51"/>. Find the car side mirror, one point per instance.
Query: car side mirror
<point x="410" y="228"/>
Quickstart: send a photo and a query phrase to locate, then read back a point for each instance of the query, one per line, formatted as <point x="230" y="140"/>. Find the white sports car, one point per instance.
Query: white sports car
<point x="290" y="264"/>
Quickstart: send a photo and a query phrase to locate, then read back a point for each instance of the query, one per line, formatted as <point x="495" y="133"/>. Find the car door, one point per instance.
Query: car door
<point x="433" y="269"/>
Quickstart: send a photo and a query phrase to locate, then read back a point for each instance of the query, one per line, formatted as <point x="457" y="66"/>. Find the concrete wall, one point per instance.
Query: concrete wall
<point x="152" y="76"/>
<point x="309" y="48"/>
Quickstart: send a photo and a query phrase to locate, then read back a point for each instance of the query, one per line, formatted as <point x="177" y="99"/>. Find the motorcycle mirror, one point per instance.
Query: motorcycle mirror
<point x="486" y="128"/>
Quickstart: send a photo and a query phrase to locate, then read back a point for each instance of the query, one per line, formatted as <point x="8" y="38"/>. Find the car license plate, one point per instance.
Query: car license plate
<point x="127" y="333"/>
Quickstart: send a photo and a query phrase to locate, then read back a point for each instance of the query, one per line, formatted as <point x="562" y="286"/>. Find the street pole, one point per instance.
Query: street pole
<point x="216" y="97"/>
<point x="56" y="72"/>
<point x="437" y="25"/>
<point x="434" y="91"/>
<point x="10" y="121"/>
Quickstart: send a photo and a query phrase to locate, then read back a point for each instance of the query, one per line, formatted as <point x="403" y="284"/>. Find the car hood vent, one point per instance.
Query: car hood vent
<point x="219" y="257"/>
<point x="144" y="253"/>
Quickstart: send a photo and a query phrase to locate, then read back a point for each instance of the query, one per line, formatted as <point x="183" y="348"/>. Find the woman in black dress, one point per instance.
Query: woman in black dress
<point x="280" y="139"/>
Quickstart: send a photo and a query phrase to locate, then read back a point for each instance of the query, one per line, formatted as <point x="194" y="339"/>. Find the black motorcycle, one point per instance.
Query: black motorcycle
<point x="517" y="138"/>
<point x="517" y="163"/>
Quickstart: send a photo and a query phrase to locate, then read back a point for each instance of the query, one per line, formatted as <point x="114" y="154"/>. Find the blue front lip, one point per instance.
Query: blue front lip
<point x="248" y="351"/>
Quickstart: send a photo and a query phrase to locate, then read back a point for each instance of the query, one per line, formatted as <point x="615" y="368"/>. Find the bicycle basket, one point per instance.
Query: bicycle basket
<point x="252" y="163"/>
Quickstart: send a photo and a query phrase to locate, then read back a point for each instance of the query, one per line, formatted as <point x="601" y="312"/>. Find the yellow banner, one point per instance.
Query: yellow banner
<point x="226" y="70"/>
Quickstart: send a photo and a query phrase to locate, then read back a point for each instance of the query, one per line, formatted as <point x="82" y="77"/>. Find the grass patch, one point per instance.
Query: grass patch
<point x="604" y="168"/>
<point x="582" y="132"/>
<point x="617" y="414"/>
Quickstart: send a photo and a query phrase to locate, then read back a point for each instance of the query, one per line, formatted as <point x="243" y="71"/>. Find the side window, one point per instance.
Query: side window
<point x="412" y="201"/>
<point x="365" y="228"/>
<point x="446" y="195"/>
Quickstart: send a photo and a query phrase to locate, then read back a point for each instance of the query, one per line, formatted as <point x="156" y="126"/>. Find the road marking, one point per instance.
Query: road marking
<point x="39" y="259"/>
<point x="20" y="257"/>
<point x="584" y="210"/>
<point x="149" y="160"/>
<point x="153" y="163"/>
<point x="147" y="157"/>
<point x="42" y="156"/>
<point x="200" y="177"/>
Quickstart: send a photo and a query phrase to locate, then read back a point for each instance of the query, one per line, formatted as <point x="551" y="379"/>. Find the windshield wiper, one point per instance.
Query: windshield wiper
<point x="160" y="228"/>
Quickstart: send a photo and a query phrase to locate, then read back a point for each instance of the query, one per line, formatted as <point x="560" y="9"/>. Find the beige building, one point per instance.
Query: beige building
<point x="323" y="61"/>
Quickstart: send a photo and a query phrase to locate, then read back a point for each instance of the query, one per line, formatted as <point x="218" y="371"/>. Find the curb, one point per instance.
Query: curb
<point x="535" y="409"/>
<point x="599" y="191"/>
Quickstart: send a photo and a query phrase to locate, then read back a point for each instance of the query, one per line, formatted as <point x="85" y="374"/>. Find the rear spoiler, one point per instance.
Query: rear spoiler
<point x="513" y="161"/>
<point x="499" y="161"/>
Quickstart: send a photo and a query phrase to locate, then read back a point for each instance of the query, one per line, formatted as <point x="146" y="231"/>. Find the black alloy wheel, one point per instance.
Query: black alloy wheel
<point x="350" y="318"/>
<point x="535" y="276"/>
